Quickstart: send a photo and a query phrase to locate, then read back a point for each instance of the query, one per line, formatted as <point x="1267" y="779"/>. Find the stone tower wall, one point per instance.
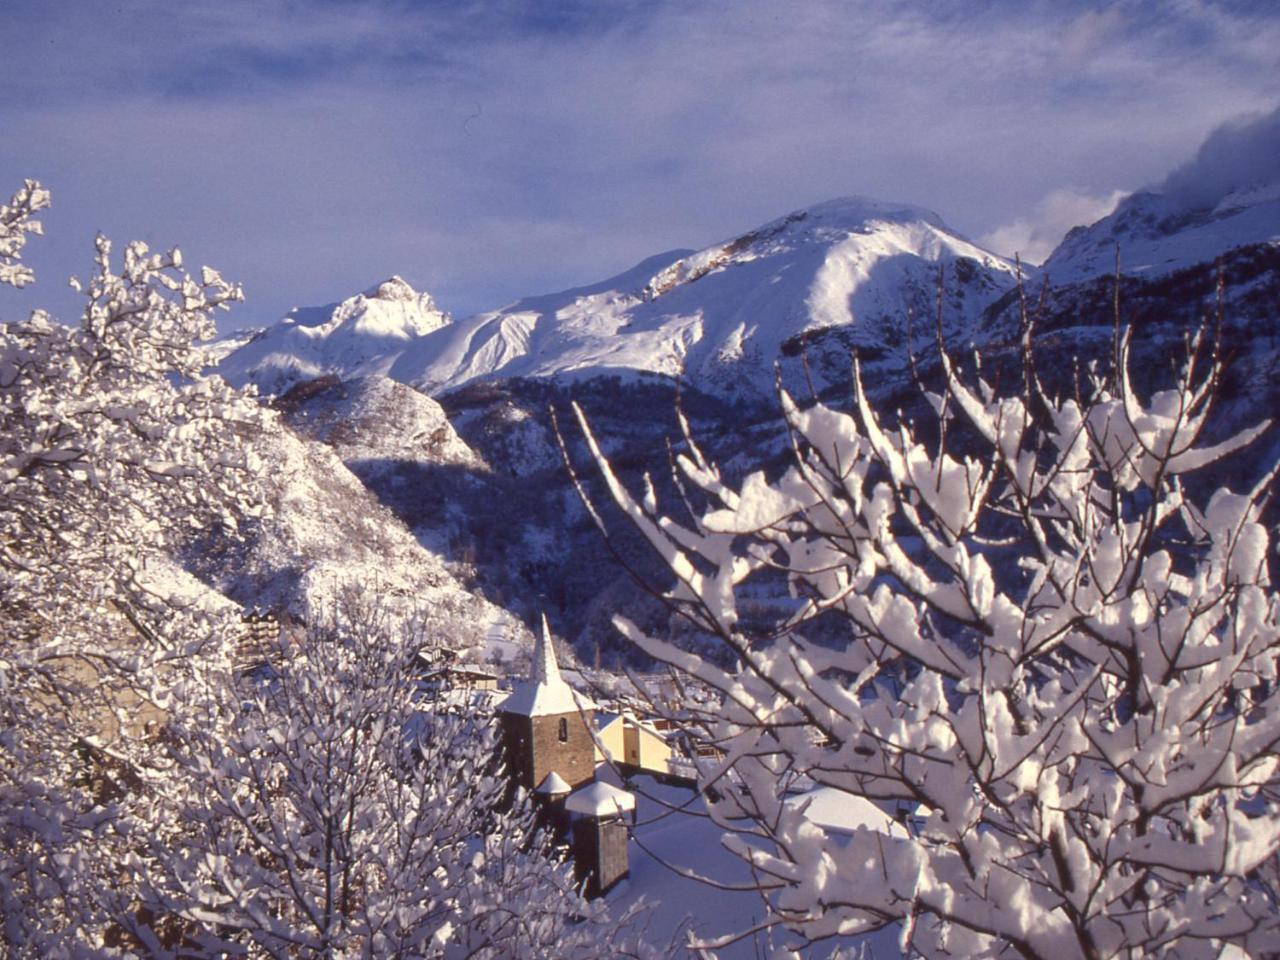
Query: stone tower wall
<point x="533" y="748"/>
<point x="599" y="853"/>
<point x="573" y="759"/>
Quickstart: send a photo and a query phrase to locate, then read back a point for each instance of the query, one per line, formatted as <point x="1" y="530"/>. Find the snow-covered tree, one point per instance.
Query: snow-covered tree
<point x="333" y="808"/>
<point x="151" y="798"/>
<point x="113" y="438"/>
<point x="112" y="441"/>
<point x="1029" y="626"/>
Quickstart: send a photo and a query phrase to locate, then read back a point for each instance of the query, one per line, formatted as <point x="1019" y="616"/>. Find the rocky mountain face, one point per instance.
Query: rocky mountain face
<point x="448" y="425"/>
<point x="358" y="336"/>
<point x="328" y="534"/>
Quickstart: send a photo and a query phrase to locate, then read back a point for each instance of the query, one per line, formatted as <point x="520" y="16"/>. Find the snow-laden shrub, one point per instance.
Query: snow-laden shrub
<point x="112" y="441"/>
<point x="331" y="807"/>
<point x="1022" y="631"/>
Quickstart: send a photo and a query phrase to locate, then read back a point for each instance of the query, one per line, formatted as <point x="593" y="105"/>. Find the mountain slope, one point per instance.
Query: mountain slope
<point x="1156" y="234"/>
<point x="477" y="478"/>
<point x="724" y="315"/>
<point x="327" y="534"/>
<point x="375" y="418"/>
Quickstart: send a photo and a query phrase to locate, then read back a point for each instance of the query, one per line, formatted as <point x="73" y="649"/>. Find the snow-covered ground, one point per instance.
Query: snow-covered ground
<point x="675" y="838"/>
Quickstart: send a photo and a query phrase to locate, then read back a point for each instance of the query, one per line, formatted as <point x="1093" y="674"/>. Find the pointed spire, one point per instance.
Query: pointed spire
<point x="546" y="671"/>
<point x="545" y="692"/>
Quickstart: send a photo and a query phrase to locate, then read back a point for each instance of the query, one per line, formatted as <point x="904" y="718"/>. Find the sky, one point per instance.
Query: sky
<point x="491" y="149"/>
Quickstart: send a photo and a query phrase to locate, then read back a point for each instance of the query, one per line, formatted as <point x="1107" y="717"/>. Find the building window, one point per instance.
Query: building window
<point x="564" y="729"/>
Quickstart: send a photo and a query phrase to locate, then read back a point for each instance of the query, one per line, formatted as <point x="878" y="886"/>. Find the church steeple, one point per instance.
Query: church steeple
<point x="545" y="692"/>
<point x="546" y="671"/>
<point x="546" y="724"/>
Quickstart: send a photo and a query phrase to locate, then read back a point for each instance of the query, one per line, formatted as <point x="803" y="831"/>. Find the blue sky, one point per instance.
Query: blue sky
<point x="487" y="150"/>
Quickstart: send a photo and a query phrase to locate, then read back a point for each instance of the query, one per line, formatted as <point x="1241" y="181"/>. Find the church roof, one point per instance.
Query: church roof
<point x="599" y="800"/>
<point x="545" y="693"/>
<point x="553" y="785"/>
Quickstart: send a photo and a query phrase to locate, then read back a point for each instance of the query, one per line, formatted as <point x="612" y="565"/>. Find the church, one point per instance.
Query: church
<point x="550" y="747"/>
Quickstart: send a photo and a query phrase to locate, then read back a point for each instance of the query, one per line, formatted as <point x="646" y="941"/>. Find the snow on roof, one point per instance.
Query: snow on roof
<point x="545" y="693"/>
<point x="606" y="772"/>
<point x="674" y="830"/>
<point x="470" y="669"/>
<point x="553" y="785"/>
<point x="600" y="799"/>
<point x="464" y="698"/>
<point x="840" y="812"/>
<point x="605" y="719"/>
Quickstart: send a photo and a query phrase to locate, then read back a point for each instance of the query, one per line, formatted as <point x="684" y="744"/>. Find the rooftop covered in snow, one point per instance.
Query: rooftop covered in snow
<point x="599" y="800"/>
<point x="553" y="785"/>
<point x="545" y="693"/>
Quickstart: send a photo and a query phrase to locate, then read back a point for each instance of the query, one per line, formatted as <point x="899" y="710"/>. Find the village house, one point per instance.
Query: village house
<point x="461" y="676"/>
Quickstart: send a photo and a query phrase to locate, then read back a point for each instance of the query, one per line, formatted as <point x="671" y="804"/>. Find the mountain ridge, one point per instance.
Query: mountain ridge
<point x="721" y="316"/>
<point x="1157" y="234"/>
<point x="490" y="495"/>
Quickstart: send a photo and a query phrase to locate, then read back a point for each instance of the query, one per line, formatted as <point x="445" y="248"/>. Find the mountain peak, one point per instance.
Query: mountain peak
<point x="846" y="272"/>
<point x="392" y="308"/>
<point x="904" y="229"/>
<point x="393" y="288"/>
<point x="855" y="210"/>
<point x="357" y="337"/>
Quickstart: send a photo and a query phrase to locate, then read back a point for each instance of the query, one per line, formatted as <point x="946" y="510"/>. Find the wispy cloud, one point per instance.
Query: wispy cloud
<point x="490" y="149"/>
<point x="1033" y="236"/>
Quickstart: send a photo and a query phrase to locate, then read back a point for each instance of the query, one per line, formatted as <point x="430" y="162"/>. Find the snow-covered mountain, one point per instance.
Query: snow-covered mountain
<point x="401" y="446"/>
<point x="1173" y="252"/>
<point x="843" y="274"/>
<point x="475" y="481"/>
<point x="723" y="316"/>
<point x="359" y="336"/>
<point x="375" y="418"/>
<point x="493" y="499"/>
<point x="1156" y="234"/>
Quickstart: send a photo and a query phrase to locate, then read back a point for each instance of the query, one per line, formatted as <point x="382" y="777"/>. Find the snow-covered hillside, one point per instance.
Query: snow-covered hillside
<point x="724" y="315"/>
<point x="327" y="534"/>
<point x="401" y="446"/>
<point x="1157" y="235"/>
<point x="376" y="418"/>
<point x="356" y="337"/>
<point x="479" y="481"/>
<point x="218" y="349"/>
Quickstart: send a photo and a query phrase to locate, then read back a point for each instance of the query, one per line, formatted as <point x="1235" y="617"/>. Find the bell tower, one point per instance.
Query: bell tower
<point x="546" y="725"/>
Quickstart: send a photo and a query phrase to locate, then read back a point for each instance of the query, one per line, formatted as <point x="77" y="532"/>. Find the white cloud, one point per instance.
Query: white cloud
<point x="458" y="144"/>
<point x="1034" y="236"/>
<point x="1088" y="32"/>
